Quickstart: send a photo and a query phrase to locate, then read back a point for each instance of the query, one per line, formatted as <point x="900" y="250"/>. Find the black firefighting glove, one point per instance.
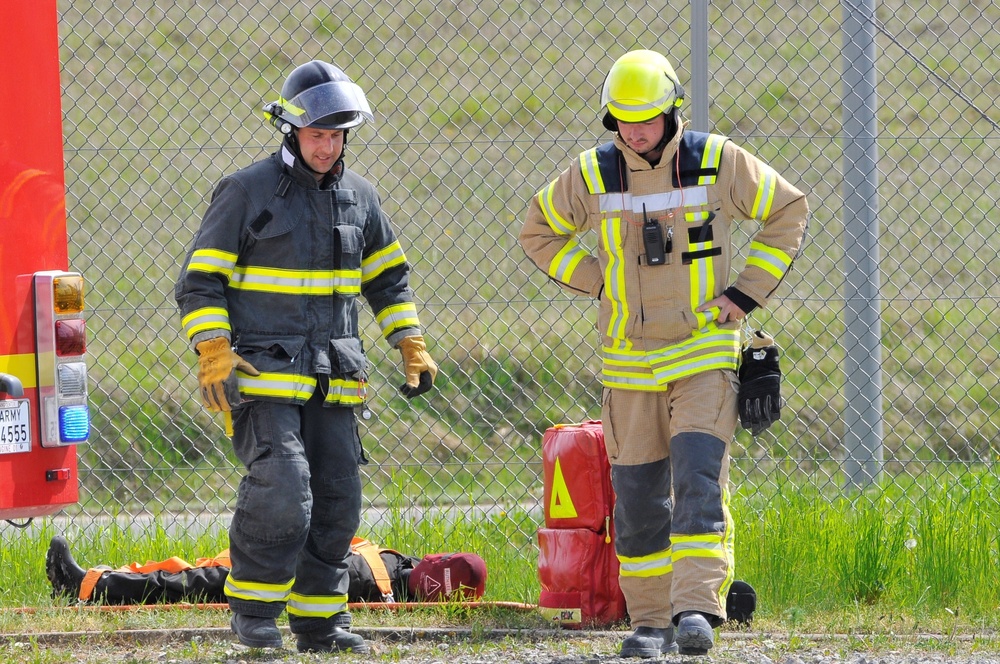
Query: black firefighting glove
<point x="760" y="384"/>
<point x="217" y="366"/>
<point x="418" y="366"/>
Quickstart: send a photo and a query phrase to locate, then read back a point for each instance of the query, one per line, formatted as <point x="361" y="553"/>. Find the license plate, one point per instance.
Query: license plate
<point x="15" y="426"/>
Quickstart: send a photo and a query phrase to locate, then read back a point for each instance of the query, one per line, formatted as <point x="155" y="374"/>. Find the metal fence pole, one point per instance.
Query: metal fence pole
<point x="862" y="364"/>
<point x="699" y="65"/>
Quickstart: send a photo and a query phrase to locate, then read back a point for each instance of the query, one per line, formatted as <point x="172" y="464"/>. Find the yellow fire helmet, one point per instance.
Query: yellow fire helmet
<point x="640" y="86"/>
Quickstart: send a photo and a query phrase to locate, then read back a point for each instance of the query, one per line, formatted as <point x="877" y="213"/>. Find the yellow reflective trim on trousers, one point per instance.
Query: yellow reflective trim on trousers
<point x="296" y="282"/>
<point x="206" y="318"/>
<point x="278" y="385"/>
<point x="729" y="541"/>
<point x="765" y="194"/>
<point x="698" y="546"/>
<point x="397" y="316"/>
<point x="592" y="171"/>
<point x="556" y="222"/>
<point x="316" y="606"/>
<point x="256" y="591"/>
<point x="214" y="261"/>
<point x="773" y="261"/>
<point x="566" y="260"/>
<point x="655" y="564"/>
<point x="382" y="260"/>
<point x="614" y="277"/>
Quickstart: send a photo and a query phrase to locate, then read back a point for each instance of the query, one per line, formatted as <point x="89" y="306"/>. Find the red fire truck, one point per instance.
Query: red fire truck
<point x="43" y="369"/>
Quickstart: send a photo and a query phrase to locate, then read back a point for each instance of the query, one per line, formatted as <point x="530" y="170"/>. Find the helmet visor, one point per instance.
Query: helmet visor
<point x="342" y="99"/>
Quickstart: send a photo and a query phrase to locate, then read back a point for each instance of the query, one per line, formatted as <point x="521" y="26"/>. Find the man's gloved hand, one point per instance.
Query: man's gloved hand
<point x="418" y="366"/>
<point x="217" y="365"/>
<point x="760" y="384"/>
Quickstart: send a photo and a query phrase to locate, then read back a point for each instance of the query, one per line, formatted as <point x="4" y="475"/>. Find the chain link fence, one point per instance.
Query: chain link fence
<point x="479" y="105"/>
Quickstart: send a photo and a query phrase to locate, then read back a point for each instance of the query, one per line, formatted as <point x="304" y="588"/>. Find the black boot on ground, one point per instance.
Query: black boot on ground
<point x="695" y="635"/>
<point x="649" y="642"/>
<point x="256" y="632"/>
<point x="333" y="639"/>
<point x="63" y="572"/>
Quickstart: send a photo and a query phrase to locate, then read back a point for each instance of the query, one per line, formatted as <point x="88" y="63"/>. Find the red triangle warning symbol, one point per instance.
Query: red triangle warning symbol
<point x="560" y="504"/>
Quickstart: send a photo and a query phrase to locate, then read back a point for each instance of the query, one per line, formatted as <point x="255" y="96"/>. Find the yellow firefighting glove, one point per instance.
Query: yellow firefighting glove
<point x="217" y="366"/>
<point x="418" y="366"/>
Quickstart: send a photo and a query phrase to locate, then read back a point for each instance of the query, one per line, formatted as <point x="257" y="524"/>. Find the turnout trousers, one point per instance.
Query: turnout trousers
<point x="669" y="454"/>
<point x="297" y="508"/>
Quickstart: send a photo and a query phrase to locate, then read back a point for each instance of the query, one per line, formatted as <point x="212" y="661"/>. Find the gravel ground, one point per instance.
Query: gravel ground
<point x="456" y="646"/>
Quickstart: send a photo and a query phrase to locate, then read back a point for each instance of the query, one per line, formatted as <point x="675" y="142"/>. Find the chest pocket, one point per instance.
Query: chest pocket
<point x="348" y="245"/>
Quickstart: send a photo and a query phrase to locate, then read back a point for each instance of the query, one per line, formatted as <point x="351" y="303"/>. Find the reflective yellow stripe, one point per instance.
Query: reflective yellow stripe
<point x="213" y="261"/>
<point x="729" y="543"/>
<point x="698" y="546"/>
<point x="380" y="261"/>
<point x="278" y="385"/>
<point x="346" y="392"/>
<point x="614" y="277"/>
<point x="258" y="592"/>
<point x="296" y="282"/>
<point x="396" y="317"/>
<point x="712" y="157"/>
<point x="206" y="318"/>
<point x="566" y="260"/>
<point x="765" y="194"/>
<point x="773" y="261"/>
<point x="21" y="366"/>
<point x="316" y="606"/>
<point x="712" y="348"/>
<point x="696" y="217"/>
<point x="558" y="224"/>
<point x="702" y="276"/>
<point x="655" y="564"/>
<point x="592" y="172"/>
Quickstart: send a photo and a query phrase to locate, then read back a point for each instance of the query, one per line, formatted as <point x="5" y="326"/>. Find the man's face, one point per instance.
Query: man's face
<point x="643" y="136"/>
<point x="321" y="148"/>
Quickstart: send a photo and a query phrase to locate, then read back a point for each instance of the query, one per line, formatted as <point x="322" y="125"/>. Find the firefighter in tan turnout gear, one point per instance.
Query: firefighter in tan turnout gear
<point x="662" y="200"/>
<point x="268" y="298"/>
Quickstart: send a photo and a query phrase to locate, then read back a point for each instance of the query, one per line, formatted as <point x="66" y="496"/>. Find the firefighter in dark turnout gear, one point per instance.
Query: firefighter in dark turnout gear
<point x="268" y="298"/>
<point x="663" y="199"/>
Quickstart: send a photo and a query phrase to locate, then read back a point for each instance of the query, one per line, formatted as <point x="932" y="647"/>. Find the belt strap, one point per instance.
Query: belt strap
<point x="370" y="553"/>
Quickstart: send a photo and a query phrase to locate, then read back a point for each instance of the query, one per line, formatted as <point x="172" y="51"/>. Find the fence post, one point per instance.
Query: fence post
<point x="862" y="340"/>
<point x="699" y="65"/>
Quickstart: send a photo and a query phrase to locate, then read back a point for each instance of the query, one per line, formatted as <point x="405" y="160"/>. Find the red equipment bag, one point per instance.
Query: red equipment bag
<point x="577" y="565"/>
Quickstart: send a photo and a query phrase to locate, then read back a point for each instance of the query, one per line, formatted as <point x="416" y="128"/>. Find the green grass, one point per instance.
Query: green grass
<point x="924" y="555"/>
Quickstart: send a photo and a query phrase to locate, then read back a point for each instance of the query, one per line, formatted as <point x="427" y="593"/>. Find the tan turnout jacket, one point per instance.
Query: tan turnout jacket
<point x="651" y="332"/>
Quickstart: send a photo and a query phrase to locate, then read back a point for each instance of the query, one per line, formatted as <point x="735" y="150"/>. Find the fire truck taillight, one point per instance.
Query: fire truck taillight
<point x="61" y="344"/>
<point x="71" y="337"/>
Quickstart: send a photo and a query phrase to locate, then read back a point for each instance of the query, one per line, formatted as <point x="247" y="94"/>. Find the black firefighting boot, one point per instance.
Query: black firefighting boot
<point x="256" y="632"/>
<point x="335" y="636"/>
<point x="695" y="635"/>
<point x="334" y="639"/>
<point x="649" y="642"/>
<point x="63" y="572"/>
